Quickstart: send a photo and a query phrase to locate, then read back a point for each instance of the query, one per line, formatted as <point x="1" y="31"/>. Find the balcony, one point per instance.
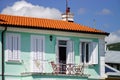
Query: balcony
<point x="68" y="69"/>
<point x="61" y="70"/>
<point x="58" y="72"/>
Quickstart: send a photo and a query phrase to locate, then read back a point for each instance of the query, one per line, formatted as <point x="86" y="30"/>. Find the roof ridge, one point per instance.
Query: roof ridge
<point x="30" y="17"/>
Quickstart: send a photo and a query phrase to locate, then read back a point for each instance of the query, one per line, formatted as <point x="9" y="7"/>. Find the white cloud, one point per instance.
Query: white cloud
<point x="23" y="8"/>
<point x="104" y="12"/>
<point x="113" y="37"/>
<point x="82" y="11"/>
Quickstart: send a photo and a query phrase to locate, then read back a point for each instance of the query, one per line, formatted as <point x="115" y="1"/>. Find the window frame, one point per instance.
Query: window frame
<point x="71" y="45"/>
<point x="93" y="51"/>
<point x="32" y="52"/>
<point x="11" y="56"/>
<point x="89" y="52"/>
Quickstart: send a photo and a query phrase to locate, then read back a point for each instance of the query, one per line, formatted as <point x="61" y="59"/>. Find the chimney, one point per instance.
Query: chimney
<point x="68" y="16"/>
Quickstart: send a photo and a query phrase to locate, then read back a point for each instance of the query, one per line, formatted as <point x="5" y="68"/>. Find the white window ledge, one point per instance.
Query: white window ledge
<point x="14" y="61"/>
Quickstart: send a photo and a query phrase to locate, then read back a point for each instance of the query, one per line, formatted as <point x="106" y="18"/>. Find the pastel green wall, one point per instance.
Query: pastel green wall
<point x="24" y="66"/>
<point x="44" y="77"/>
<point x="12" y="77"/>
<point x="53" y="77"/>
<point x="59" y="78"/>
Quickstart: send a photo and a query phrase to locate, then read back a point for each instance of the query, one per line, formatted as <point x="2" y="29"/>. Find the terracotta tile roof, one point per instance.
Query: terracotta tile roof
<point x="40" y="23"/>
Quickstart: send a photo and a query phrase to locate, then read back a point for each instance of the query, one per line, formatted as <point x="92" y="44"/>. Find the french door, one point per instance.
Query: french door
<point x="65" y="53"/>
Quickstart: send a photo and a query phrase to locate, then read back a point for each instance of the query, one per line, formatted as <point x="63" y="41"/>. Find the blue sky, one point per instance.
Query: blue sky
<point x="106" y="13"/>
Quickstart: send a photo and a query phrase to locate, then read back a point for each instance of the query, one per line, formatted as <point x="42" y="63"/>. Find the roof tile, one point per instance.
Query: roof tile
<point x="31" y="22"/>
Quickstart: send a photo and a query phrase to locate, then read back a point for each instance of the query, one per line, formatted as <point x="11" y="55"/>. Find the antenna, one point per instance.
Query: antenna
<point x="66" y="10"/>
<point x="66" y="4"/>
<point x="94" y="23"/>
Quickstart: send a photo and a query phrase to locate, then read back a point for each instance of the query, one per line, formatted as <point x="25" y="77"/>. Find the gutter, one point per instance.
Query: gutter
<point x="3" y="55"/>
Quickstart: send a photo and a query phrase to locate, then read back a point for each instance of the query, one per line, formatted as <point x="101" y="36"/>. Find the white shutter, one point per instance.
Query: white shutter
<point x="15" y="47"/>
<point x="34" y="53"/>
<point x="40" y="53"/>
<point x="80" y="52"/>
<point x="73" y="54"/>
<point x="70" y="52"/>
<point x="19" y="45"/>
<point x="32" y="47"/>
<point x="94" y="53"/>
<point x="9" y="47"/>
<point x="33" y="50"/>
<point x="36" y="62"/>
<point x="9" y="40"/>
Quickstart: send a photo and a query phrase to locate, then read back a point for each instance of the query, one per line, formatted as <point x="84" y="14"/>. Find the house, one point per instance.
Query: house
<point x="112" y="61"/>
<point x="45" y="49"/>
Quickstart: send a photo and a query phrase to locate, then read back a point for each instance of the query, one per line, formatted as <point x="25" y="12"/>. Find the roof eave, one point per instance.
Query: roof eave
<point x="31" y="27"/>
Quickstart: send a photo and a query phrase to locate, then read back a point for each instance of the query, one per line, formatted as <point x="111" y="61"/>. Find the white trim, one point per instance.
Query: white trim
<point x="62" y="33"/>
<point x="63" y="38"/>
<point x="57" y="53"/>
<point x="102" y="66"/>
<point x="102" y="57"/>
<point x="86" y="40"/>
<point x="2" y="28"/>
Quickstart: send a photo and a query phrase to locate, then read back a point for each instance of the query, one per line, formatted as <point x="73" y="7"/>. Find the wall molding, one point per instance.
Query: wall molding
<point x="61" y="33"/>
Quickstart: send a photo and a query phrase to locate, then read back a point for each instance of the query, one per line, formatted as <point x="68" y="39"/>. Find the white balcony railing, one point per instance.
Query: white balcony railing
<point x="70" y="69"/>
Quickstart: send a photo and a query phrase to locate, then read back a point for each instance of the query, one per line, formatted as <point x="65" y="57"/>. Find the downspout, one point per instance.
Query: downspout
<point x="3" y="55"/>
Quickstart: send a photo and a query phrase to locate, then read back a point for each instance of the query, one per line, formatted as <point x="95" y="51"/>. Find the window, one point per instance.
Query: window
<point x="13" y="46"/>
<point x="37" y="51"/>
<point x="89" y="52"/>
<point x="66" y="48"/>
<point x="85" y="51"/>
<point x="62" y="42"/>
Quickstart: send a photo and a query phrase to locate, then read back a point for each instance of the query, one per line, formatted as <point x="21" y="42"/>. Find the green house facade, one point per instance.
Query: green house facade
<point x="28" y="46"/>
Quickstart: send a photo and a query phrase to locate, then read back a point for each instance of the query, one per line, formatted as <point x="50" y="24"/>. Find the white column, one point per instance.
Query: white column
<point x="102" y="57"/>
